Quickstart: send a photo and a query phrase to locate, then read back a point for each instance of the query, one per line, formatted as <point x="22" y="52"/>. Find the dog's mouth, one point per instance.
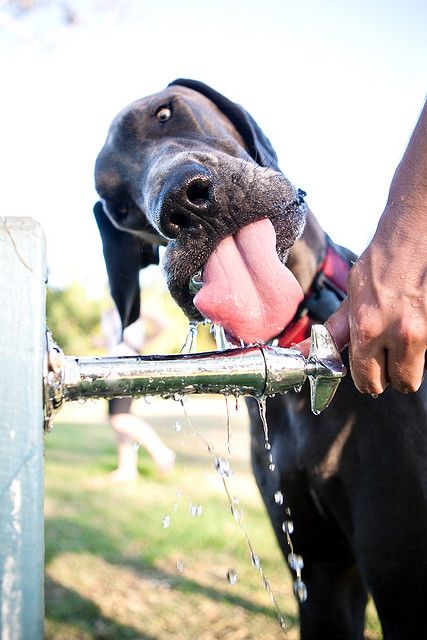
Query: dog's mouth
<point x="245" y="287"/>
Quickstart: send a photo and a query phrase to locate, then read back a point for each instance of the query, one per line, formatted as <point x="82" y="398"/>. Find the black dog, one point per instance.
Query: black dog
<point x="188" y="168"/>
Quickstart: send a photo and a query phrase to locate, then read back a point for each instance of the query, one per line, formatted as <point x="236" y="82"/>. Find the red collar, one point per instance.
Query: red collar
<point x="328" y="290"/>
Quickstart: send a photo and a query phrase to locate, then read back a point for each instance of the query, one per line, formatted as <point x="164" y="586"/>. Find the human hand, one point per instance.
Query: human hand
<point x="384" y="317"/>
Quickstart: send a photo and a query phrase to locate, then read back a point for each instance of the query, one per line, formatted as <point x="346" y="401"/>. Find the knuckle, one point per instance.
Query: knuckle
<point x="407" y="332"/>
<point x="366" y="328"/>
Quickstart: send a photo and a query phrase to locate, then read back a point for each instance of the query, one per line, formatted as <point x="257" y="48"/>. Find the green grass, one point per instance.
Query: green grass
<point x="111" y="566"/>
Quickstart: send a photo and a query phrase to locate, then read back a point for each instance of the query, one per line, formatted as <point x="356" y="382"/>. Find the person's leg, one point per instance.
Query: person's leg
<point x="127" y="455"/>
<point x="131" y="432"/>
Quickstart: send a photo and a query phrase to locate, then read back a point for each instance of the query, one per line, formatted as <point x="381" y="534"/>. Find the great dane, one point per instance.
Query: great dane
<point x="190" y="169"/>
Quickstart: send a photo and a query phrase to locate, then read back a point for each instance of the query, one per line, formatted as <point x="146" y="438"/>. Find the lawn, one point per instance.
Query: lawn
<point x="115" y="571"/>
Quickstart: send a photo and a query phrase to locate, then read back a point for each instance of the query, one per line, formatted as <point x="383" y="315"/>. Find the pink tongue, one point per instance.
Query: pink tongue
<point x="246" y="288"/>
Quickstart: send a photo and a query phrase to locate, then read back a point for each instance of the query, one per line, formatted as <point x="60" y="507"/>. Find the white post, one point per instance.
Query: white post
<point x="22" y="338"/>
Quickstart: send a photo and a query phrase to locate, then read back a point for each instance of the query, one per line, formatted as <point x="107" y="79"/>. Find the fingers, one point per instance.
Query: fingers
<point x="338" y="326"/>
<point x="382" y="354"/>
<point x="368" y="367"/>
<point x="406" y="362"/>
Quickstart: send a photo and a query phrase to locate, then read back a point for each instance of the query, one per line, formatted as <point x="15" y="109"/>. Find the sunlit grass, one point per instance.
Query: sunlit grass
<point x="113" y="569"/>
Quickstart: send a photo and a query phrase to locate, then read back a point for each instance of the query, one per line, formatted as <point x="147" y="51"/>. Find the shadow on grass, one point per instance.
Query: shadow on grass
<point x="66" y="536"/>
<point x="84" y="615"/>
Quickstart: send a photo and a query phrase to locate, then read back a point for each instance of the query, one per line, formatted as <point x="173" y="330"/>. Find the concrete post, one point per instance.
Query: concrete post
<point x="22" y="336"/>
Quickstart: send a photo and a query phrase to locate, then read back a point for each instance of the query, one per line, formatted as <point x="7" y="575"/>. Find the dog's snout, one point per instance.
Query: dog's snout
<point x="185" y="198"/>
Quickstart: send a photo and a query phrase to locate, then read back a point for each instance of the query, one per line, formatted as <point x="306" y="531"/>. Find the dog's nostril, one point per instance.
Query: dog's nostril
<point x="180" y="220"/>
<point x="198" y="193"/>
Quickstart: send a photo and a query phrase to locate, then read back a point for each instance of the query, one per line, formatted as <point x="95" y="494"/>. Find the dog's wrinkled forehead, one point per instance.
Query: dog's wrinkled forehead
<point x="256" y="142"/>
<point x="176" y="117"/>
<point x="176" y="112"/>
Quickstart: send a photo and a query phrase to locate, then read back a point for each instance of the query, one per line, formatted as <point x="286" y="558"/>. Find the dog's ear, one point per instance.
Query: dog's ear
<point x="125" y="255"/>
<point x="258" y="145"/>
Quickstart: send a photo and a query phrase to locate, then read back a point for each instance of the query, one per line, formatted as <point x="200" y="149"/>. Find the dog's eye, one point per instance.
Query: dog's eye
<point x="163" y="114"/>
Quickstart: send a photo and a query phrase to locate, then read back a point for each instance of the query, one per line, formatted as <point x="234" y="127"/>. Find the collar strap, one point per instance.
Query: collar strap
<point x="328" y="290"/>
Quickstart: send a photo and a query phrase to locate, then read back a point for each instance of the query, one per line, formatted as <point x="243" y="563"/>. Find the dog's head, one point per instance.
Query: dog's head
<point x="190" y="169"/>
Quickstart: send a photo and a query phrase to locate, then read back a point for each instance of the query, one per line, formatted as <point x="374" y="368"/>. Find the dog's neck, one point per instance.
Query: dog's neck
<point x="307" y="252"/>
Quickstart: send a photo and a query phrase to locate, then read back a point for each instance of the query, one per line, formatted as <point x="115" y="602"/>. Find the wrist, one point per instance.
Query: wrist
<point x="403" y="221"/>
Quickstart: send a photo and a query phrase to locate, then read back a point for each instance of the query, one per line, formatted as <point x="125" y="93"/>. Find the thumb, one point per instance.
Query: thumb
<point x="338" y="325"/>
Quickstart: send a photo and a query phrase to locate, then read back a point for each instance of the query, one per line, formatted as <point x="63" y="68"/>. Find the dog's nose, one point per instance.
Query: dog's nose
<point x="185" y="198"/>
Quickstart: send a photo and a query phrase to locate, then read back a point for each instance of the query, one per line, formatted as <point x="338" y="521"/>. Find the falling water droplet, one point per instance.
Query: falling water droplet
<point x="300" y="590"/>
<point x="223" y="467"/>
<point x="278" y="497"/>
<point x="267" y="446"/>
<point x="189" y="345"/>
<point x="180" y="566"/>
<point x="166" y="522"/>
<point x="374" y="395"/>
<point x="228" y="425"/>
<point x="195" y="509"/>
<point x="288" y="526"/>
<point x="237" y="402"/>
<point x="296" y="562"/>
<point x="282" y="622"/>
<point x="262" y="405"/>
<point x="136" y="445"/>
<point x="266" y="583"/>
<point x="272" y="466"/>
<point x="232" y="576"/>
<point x="255" y="560"/>
<point x="178" y="426"/>
<point x="175" y="506"/>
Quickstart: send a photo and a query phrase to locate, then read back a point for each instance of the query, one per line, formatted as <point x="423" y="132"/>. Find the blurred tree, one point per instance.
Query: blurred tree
<point x="74" y="319"/>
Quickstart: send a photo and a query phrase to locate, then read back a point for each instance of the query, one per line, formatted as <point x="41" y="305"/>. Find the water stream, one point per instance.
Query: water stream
<point x="223" y="467"/>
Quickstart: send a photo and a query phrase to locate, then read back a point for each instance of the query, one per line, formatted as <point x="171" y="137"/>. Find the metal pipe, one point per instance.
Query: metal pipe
<point x="237" y="371"/>
<point x="257" y="371"/>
